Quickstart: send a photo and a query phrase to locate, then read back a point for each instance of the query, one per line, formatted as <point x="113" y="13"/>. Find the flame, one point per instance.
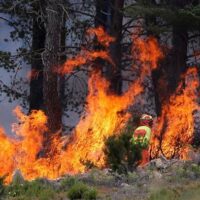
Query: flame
<point x="146" y="53"/>
<point x="85" y="56"/>
<point x="7" y="160"/>
<point x="175" y="129"/>
<point x="103" y="38"/>
<point x="105" y="116"/>
<point x="32" y="74"/>
<point x="147" y="50"/>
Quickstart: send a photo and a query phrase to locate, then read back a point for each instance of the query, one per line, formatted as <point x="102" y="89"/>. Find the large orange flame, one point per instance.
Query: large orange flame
<point x="104" y="117"/>
<point x="175" y="129"/>
<point x="21" y="153"/>
<point x="106" y="114"/>
<point x="7" y="159"/>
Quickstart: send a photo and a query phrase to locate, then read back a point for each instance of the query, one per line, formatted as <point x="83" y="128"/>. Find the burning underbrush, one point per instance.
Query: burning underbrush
<point x="106" y="114"/>
<point x="104" y="117"/>
<point x="174" y="132"/>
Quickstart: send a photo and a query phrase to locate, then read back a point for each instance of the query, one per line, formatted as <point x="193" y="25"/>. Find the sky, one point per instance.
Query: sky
<point x="6" y="115"/>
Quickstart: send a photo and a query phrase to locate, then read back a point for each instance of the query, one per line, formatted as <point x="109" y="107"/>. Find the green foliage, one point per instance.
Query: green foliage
<point x="192" y="171"/>
<point x="121" y="154"/>
<point x="191" y="194"/>
<point x="189" y="16"/>
<point x="31" y="190"/>
<point x="90" y="194"/>
<point x="6" y="61"/>
<point x="185" y="192"/>
<point x="2" y="187"/>
<point x="68" y="182"/>
<point x="98" y="177"/>
<point x="196" y="169"/>
<point x="81" y="191"/>
<point x="164" y="194"/>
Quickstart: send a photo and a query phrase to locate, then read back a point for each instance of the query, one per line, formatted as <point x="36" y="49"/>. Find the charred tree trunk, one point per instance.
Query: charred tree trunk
<point x="62" y="57"/>
<point x="38" y="40"/>
<point x="101" y="13"/>
<point x="115" y="48"/>
<point x="179" y="57"/>
<point x="109" y="15"/>
<point x="50" y="84"/>
<point x="168" y="76"/>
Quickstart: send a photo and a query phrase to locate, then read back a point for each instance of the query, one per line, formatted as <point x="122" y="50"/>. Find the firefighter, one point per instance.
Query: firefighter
<point x="141" y="138"/>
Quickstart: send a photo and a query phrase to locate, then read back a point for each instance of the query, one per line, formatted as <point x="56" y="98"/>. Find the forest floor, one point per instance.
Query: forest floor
<point x="159" y="180"/>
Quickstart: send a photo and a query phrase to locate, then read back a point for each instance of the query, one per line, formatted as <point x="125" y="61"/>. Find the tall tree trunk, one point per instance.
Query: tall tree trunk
<point x="38" y="40"/>
<point x="174" y="64"/>
<point x="115" y="48"/>
<point x="51" y="61"/>
<point x="62" y="60"/>
<point x="109" y="15"/>
<point x="149" y="93"/>
<point x="101" y="13"/>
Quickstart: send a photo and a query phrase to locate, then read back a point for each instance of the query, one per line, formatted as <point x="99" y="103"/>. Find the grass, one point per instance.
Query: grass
<point x="30" y="190"/>
<point x="182" y="192"/>
<point x="81" y="191"/>
<point x="180" y="183"/>
<point x="164" y="194"/>
<point x="42" y="189"/>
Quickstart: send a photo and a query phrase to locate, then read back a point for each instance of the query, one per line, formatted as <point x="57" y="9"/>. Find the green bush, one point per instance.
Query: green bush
<point x="68" y="182"/>
<point x="121" y="154"/>
<point x="2" y="187"/>
<point x="196" y="169"/>
<point x="90" y="194"/>
<point x="81" y="191"/>
<point x="36" y="189"/>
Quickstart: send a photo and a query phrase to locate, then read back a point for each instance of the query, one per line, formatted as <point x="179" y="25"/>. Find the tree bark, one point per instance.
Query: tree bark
<point x="167" y="77"/>
<point x="101" y="13"/>
<point x="38" y="41"/>
<point x="115" y="48"/>
<point x="109" y="15"/>
<point x="51" y="62"/>
<point x="62" y="59"/>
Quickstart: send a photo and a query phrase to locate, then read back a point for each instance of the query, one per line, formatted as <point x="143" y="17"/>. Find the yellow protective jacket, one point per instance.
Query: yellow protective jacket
<point x="143" y="134"/>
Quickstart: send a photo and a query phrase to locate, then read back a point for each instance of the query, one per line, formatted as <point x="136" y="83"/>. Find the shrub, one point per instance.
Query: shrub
<point x="36" y="189"/>
<point x="68" y="182"/>
<point x="2" y="187"/>
<point x="81" y="191"/>
<point x="196" y="169"/>
<point x="121" y="154"/>
<point x="90" y="194"/>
